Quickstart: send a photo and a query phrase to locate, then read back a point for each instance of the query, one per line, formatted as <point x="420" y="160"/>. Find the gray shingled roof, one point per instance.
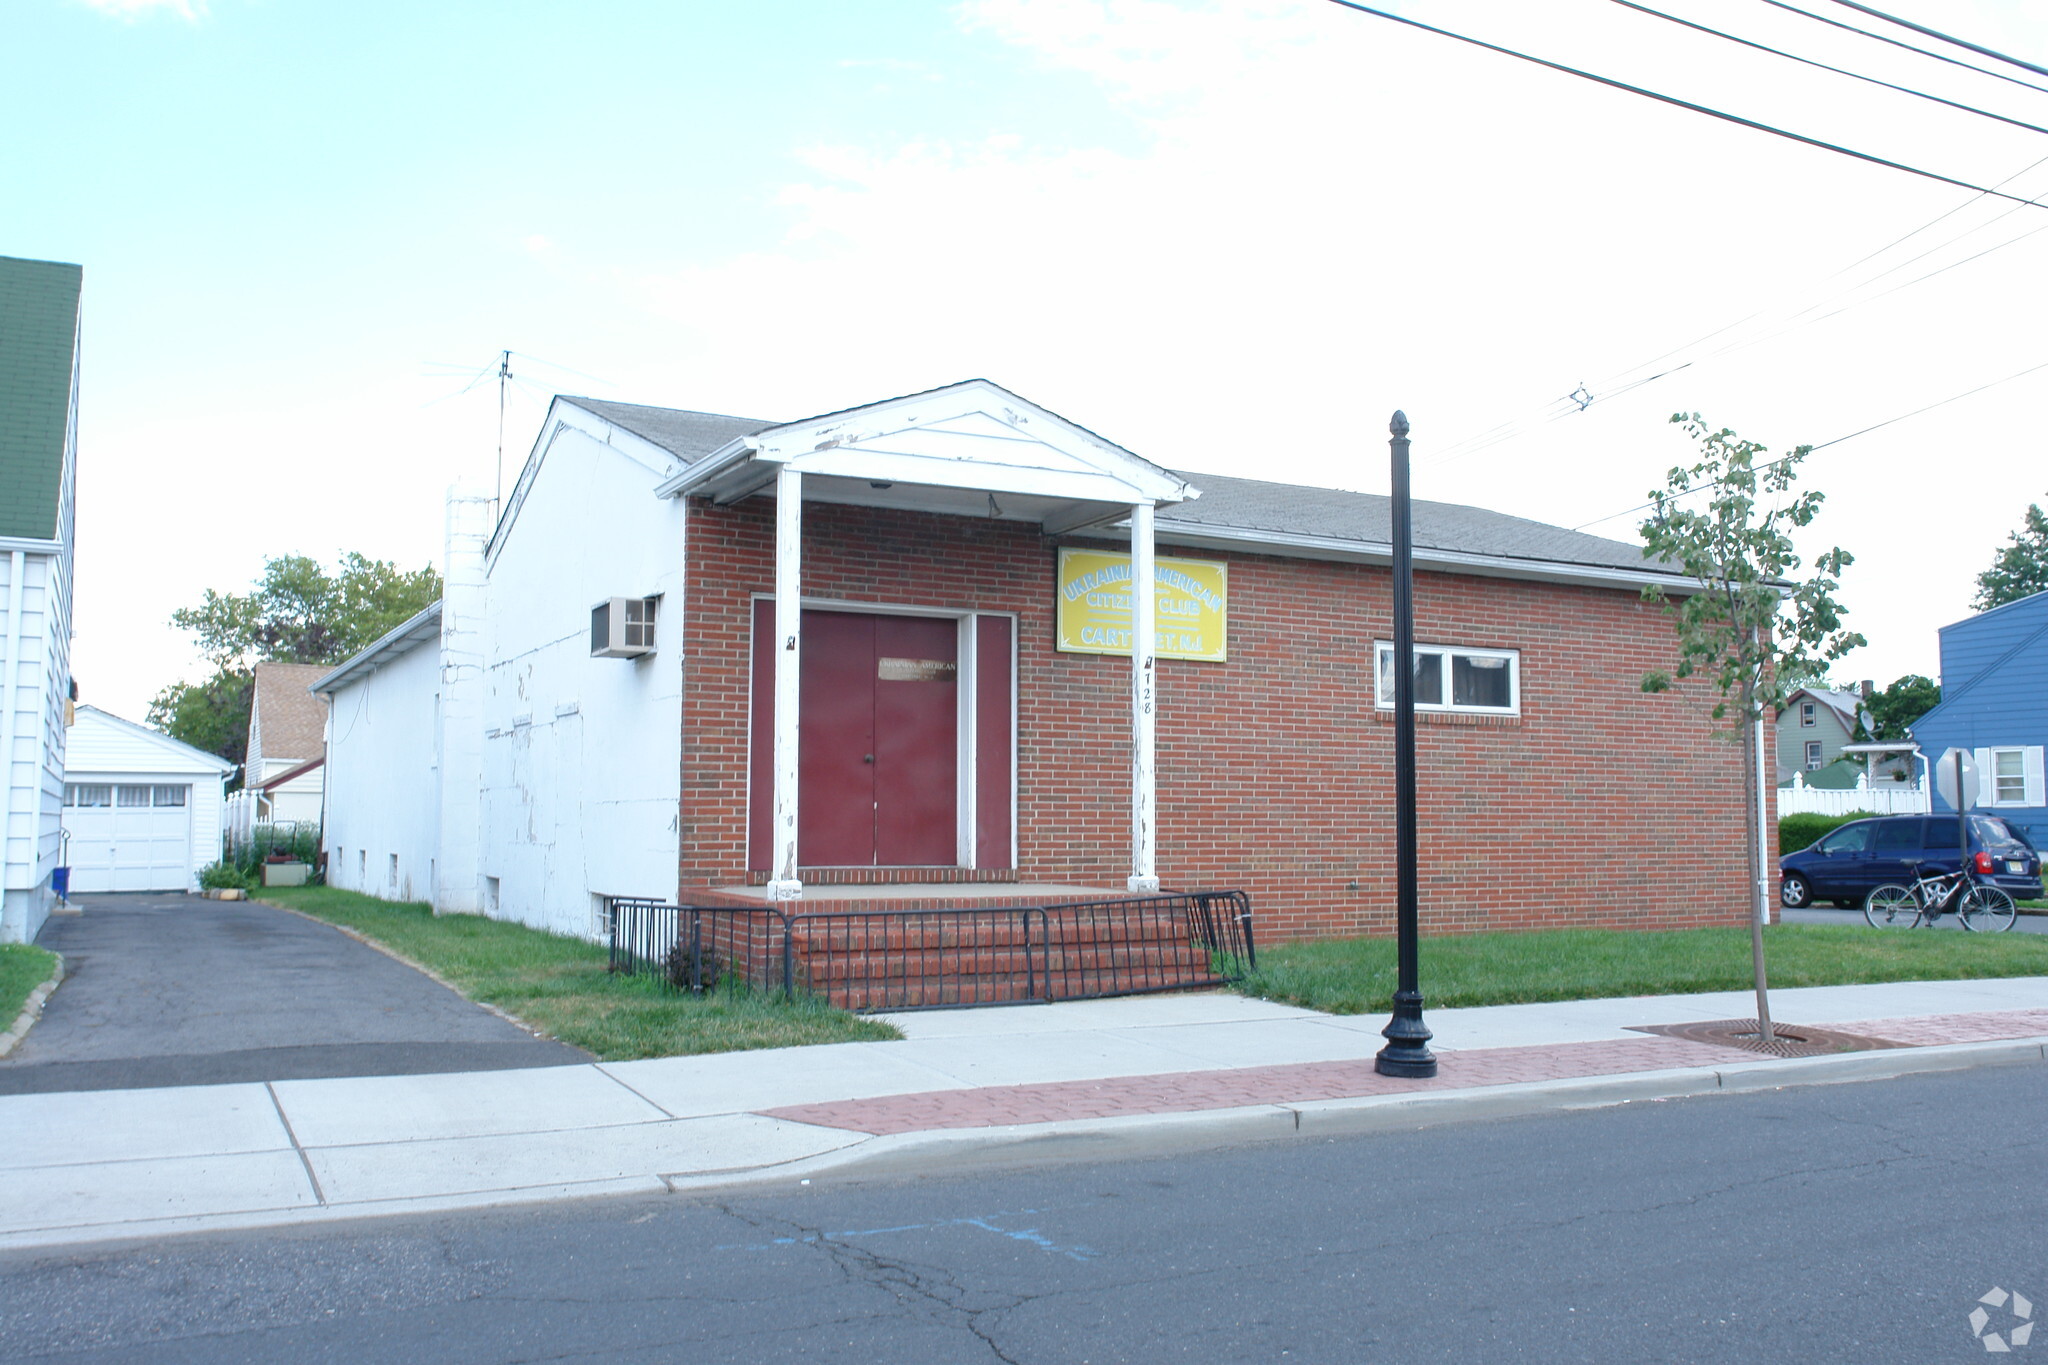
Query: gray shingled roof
<point x="688" y="435"/>
<point x="38" y="335"/>
<point x="1232" y="504"/>
<point x="1293" y="509"/>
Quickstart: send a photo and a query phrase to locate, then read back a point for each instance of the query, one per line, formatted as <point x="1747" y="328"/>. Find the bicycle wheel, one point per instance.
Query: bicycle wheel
<point x="1986" y="909"/>
<point x="1892" y="907"/>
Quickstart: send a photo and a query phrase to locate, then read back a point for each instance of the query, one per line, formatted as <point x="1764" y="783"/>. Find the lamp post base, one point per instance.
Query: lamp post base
<point x="1407" y="1051"/>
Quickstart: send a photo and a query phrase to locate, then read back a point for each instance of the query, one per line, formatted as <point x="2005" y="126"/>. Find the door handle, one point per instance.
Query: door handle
<point x="867" y="758"/>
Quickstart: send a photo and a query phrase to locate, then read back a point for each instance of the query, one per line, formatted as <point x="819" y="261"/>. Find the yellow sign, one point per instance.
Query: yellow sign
<point x="1191" y="598"/>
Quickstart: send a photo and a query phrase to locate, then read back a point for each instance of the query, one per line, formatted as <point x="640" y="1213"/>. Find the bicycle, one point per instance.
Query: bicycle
<point x="1978" y="908"/>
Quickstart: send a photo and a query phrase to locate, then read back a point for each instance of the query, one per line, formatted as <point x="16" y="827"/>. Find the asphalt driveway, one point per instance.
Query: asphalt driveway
<point x="164" y="990"/>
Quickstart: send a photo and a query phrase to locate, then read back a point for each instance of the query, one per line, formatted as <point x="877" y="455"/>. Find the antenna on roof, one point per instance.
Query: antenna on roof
<point x="504" y="373"/>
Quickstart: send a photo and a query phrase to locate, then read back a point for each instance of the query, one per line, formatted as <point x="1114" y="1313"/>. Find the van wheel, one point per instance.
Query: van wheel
<point x="1793" y="892"/>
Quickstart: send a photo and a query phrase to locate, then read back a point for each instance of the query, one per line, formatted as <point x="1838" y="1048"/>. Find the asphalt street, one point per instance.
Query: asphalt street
<point x="164" y="990"/>
<point x="1853" y="1222"/>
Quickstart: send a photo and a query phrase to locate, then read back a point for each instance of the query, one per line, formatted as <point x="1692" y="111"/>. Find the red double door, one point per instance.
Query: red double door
<point x="878" y="740"/>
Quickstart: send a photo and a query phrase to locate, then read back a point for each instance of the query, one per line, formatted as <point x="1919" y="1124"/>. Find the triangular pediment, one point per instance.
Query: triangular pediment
<point x="953" y="449"/>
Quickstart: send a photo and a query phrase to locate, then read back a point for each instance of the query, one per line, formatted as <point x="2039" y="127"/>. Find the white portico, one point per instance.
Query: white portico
<point x="971" y="450"/>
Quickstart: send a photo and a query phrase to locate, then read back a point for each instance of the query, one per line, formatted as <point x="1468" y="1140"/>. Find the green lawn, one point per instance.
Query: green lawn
<point x="22" y="969"/>
<point x="560" y="986"/>
<point x="1356" y="976"/>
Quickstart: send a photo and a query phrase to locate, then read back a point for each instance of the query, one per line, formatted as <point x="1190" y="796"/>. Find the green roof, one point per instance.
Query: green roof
<point x="38" y="340"/>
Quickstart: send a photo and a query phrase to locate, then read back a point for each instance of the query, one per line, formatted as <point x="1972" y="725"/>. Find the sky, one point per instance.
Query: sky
<point x="1231" y="235"/>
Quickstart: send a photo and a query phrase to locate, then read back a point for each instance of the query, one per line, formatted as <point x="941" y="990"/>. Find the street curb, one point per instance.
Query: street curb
<point x="1130" y="1135"/>
<point x="32" y="1008"/>
<point x="1114" y="1138"/>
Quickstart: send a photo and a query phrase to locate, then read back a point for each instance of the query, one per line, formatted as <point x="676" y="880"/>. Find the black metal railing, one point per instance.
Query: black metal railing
<point x="943" y="959"/>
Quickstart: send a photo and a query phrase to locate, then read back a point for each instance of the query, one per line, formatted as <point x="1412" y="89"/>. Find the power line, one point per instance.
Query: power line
<point x="1553" y="412"/>
<point x="1865" y="431"/>
<point x="1937" y="33"/>
<point x="1676" y="102"/>
<point x="1823" y="66"/>
<point x="1879" y="37"/>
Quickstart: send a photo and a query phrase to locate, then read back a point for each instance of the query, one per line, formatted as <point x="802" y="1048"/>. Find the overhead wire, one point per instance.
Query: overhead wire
<point x="1964" y="43"/>
<point x="1823" y="66"/>
<point x="1863" y="431"/>
<point x="1879" y="37"/>
<point x="1676" y="102"/>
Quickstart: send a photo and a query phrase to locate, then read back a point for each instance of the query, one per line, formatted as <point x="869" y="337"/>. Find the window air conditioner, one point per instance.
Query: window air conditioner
<point x="622" y="627"/>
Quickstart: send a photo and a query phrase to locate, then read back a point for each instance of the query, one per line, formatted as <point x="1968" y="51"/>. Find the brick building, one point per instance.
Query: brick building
<point x="895" y="656"/>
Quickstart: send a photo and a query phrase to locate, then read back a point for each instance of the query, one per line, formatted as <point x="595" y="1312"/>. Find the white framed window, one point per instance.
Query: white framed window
<point x="1812" y="754"/>
<point x="2011" y="775"/>
<point x="1809" y="715"/>
<point x="127" y="795"/>
<point x="90" y="794"/>
<point x="1454" y="678"/>
<point x="167" y="796"/>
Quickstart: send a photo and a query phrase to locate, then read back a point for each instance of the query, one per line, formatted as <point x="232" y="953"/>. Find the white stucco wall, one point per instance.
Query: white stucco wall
<point x="383" y="779"/>
<point x="107" y="749"/>
<point x="582" y="756"/>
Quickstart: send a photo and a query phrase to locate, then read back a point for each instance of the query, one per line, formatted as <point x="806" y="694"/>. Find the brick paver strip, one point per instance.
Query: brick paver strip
<point x="1184" y="1092"/>
<point x="1931" y="1030"/>
<point x="1187" y="1092"/>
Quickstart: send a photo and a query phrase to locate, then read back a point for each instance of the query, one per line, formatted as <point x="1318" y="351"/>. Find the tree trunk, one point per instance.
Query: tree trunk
<point x="1751" y="795"/>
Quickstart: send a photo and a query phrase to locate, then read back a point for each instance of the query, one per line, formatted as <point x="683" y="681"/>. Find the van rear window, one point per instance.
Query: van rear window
<point x="1942" y="833"/>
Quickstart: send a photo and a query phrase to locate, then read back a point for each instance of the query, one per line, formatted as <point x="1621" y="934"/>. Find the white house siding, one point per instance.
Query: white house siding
<point x="582" y="756"/>
<point x="383" y="779"/>
<point x="104" y="750"/>
<point x="298" y="800"/>
<point x="35" y="672"/>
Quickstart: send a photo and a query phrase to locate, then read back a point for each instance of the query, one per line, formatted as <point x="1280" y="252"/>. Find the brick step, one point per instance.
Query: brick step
<point x="822" y="970"/>
<point x="1003" y="933"/>
<point x="996" y="989"/>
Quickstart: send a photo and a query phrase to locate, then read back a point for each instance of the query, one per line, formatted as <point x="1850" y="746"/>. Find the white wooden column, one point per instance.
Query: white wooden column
<point x="784" y="885"/>
<point x="1144" y="785"/>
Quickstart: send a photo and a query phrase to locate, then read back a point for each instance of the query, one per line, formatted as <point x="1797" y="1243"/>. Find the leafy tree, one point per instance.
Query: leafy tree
<point x="1895" y="708"/>
<point x="299" y="613"/>
<point x="1751" y="628"/>
<point x="211" y="715"/>
<point x="2021" y="569"/>
<point x="296" y="612"/>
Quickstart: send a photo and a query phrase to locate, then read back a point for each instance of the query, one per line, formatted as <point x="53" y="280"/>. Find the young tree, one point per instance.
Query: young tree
<point x="2021" y="569"/>
<point x="1894" y="709"/>
<point x="1751" y="629"/>
<point x="296" y="612"/>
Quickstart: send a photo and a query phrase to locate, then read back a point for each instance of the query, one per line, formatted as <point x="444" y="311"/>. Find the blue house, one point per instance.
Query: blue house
<point x="1994" y="701"/>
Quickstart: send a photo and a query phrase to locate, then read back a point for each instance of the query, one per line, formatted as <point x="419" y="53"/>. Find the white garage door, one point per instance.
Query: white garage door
<point x="129" y="836"/>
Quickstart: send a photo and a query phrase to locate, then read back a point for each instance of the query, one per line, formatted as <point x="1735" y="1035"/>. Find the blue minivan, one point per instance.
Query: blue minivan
<point x="1847" y="863"/>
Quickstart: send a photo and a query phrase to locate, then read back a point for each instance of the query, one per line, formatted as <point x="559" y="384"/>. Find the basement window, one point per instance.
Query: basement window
<point x="1454" y="678"/>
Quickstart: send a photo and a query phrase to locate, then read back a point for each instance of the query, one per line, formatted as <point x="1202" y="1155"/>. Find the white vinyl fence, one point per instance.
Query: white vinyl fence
<point x="1880" y="800"/>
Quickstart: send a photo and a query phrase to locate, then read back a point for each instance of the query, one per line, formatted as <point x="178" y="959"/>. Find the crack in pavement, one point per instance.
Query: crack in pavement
<point x="932" y="1292"/>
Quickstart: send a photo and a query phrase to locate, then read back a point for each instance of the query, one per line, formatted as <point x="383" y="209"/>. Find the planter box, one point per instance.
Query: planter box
<point x="285" y="874"/>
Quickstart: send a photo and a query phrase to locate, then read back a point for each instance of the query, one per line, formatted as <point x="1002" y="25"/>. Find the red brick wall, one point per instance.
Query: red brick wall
<point x="1599" y="805"/>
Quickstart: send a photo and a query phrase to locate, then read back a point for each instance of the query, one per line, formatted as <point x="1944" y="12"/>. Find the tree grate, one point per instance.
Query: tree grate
<point x="1790" y="1040"/>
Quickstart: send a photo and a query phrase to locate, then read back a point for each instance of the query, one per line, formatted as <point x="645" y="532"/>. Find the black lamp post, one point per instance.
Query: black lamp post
<point x="1407" y="1051"/>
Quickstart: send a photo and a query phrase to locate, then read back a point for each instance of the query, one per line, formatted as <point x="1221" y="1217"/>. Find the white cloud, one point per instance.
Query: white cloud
<point x="1331" y="216"/>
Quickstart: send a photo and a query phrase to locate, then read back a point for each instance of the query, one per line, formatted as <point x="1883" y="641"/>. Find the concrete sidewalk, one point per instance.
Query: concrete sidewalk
<point x="1091" y="1078"/>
